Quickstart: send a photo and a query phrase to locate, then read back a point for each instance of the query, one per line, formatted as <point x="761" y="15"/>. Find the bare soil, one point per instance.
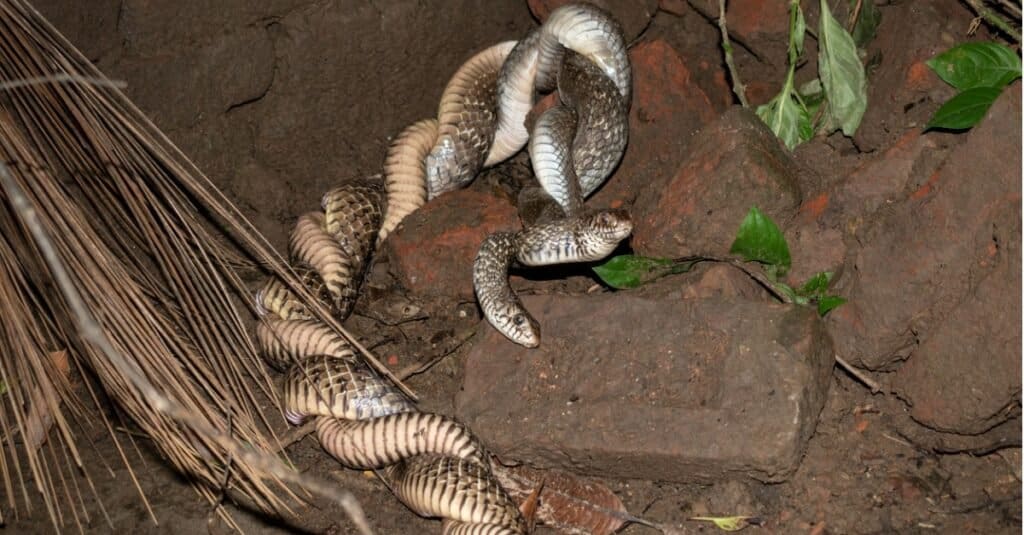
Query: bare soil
<point x="277" y="101"/>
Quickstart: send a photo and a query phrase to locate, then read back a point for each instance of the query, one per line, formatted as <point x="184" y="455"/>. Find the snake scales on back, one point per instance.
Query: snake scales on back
<point x="432" y="463"/>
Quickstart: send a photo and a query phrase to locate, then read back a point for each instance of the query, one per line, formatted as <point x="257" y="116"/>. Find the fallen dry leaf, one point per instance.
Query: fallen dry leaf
<point x="567" y="503"/>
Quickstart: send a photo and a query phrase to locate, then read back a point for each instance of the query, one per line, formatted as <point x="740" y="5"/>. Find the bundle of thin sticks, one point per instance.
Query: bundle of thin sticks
<point x="112" y="258"/>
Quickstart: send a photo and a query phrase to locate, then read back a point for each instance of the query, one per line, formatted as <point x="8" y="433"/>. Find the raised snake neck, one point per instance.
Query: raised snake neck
<point x="431" y="462"/>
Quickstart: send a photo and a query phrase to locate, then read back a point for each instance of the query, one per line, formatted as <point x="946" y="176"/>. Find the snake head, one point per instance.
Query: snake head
<point x="611" y="226"/>
<point x="520" y="327"/>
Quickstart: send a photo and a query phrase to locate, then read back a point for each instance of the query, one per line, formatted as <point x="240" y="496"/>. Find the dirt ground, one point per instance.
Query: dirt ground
<point x="278" y="101"/>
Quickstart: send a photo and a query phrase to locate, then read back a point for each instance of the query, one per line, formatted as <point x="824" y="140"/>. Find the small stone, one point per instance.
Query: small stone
<point x="736" y="163"/>
<point x="432" y="251"/>
<point x="661" y="388"/>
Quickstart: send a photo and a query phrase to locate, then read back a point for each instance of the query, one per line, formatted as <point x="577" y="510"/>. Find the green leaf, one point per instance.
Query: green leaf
<point x="787" y="118"/>
<point x="842" y="73"/>
<point x="629" y="271"/>
<point x="799" y="29"/>
<point x="972" y="65"/>
<point x="867" y="23"/>
<point x="966" y="109"/>
<point x="817" y="284"/>
<point x="760" y="239"/>
<point x="828" y="302"/>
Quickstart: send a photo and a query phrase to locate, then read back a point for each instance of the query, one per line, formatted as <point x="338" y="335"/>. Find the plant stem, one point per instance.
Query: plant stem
<point x="994" y="19"/>
<point x="737" y="85"/>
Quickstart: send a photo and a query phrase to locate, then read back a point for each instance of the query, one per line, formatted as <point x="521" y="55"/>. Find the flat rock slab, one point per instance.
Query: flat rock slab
<point x="649" y="385"/>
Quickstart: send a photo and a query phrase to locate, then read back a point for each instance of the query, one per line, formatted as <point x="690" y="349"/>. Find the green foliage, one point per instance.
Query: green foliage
<point x="980" y="71"/>
<point x="759" y="239"/>
<point x="629" y="271"/>
<point x="841" y="90"/>
<point x="841" y="72"/>
<point x="867" y="23"/>
<point x="972" y="65"/>
<point x="966" y="109"/>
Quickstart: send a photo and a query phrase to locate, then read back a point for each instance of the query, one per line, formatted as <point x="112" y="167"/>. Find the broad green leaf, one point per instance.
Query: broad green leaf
<point x="629" y="271"/>
<point x="972" y="65"/>
<point x="817" y="284"/>
<point x="760" y="239"/>
<point x="842" y="73"/>
<point x="787" y="118"/>
<point x="799" y="29"/>
<point x="730" y="523"/>
<point x="828" y="302"/>
<point x="867" y="23"/>
<point x="966" y="109"/>
<point x="811" y="89"/>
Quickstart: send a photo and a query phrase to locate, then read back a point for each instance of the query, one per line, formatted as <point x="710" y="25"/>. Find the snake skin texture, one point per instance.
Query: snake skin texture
<point x="432" y="463"/>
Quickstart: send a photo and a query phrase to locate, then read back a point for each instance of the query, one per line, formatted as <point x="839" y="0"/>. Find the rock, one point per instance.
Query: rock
<point x="667" y="110"/>
<point x="965" y="378"/>
<point x="432" y="251"/>
<point x="923" y="256"/>
<point x="633" y="15"/>
<point x="647" y="385"/>
<point x="814" y="248"/>
<point x="883" y="180"/>
<point x="714" y="279"/>
<point x="902" y="89"/>
<point x="736" y="163"/>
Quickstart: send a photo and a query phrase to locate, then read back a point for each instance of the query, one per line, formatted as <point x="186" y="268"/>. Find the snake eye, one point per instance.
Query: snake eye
<point x="519" y="320"/>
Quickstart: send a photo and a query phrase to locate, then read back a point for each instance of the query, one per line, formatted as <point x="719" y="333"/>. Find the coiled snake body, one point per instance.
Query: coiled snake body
<point x="432" y="463"/>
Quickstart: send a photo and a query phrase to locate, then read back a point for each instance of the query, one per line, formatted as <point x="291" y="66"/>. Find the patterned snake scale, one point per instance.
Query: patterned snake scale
<point x="432" y="463"/>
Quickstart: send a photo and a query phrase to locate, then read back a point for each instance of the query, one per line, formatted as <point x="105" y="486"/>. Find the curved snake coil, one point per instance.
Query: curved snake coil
<point x="432" y="463"/>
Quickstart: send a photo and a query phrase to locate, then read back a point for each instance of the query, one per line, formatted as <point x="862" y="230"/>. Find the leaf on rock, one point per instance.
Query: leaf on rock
<point x="842" y="73"/>
<point x="567" y="503"/>
<point x="761" y="240"/>
<point x="973" y="65"/>
<point x="816" y="285"/>
<point x="829" y="302"/>
<point x="629" y="271"/>
<point x="966" y="109"/>
<point x="787" y="118"/>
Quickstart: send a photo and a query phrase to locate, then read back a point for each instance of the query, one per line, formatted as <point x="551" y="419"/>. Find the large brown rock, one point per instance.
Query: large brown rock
<point x="736" y="163"/>
<point x="649" y="385"/>
<point x="921" y="257"/>
<point x="432" y="251"/>
<point x="965" y="378"/>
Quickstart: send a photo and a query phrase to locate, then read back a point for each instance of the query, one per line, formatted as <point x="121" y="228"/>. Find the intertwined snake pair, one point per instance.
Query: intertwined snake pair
<point x="432" y="463"/>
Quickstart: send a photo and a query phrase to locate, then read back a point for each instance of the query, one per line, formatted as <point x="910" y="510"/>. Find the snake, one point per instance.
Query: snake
<point x="432" y="463"/>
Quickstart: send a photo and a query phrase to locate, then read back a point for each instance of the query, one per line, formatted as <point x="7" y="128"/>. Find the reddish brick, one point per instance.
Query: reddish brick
<point x="432" y="251"/>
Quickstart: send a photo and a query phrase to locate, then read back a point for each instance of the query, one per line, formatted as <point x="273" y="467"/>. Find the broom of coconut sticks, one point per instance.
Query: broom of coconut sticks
<point x="120" y="256"/>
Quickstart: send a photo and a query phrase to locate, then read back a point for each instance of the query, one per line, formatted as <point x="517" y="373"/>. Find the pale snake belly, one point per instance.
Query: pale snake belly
<point x="432" y="463"/>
